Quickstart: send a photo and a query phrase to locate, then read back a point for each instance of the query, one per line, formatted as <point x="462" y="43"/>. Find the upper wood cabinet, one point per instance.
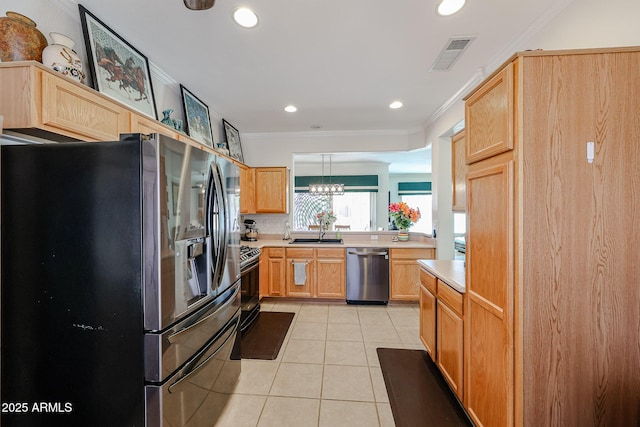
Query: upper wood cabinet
<point x="247" y="190"/>
<point x="271" y="195"/>
<point x="264" y="190"/>
<point x="552" y="241"/>
<point x="35" y="99"/>
<point x="459" y="172"/>
<point x="489" y="117"/>
<point x="141" y="124"/>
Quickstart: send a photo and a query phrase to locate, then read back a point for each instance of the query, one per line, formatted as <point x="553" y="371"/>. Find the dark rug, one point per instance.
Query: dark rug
<point x="264" y="338"/>
<point x="418" y="393"/>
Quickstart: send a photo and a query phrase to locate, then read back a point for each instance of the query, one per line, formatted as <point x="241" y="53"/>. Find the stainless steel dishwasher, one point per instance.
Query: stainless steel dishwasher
<point x="367" y="275"/>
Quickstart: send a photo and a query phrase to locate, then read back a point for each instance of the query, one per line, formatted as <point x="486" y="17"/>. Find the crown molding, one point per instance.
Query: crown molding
<point x="70" y="7"/>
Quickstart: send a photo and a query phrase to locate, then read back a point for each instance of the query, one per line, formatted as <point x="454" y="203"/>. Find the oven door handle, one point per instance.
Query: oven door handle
<point x="192" y="370"/>
<point x="174" y="337"/>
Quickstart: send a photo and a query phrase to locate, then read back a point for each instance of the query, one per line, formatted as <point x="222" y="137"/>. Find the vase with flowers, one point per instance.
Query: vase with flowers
<point x="326" y="218"/>
<point x="404" y="217"/>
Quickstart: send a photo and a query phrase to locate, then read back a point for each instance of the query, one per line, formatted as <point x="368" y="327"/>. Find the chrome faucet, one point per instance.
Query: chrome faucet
<point x="321" y="233"/>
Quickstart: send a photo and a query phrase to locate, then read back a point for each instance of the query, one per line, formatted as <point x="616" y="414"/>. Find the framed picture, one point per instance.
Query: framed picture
<point x="196" y="114"/>
<point x="233" y="141"/>
<point x="118" y="69"/>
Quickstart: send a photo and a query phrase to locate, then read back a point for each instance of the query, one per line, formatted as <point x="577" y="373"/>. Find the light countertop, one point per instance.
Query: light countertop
<point x="350" y="239"/>
<point x="450" y="272"/>
<point x="267" y="242"/>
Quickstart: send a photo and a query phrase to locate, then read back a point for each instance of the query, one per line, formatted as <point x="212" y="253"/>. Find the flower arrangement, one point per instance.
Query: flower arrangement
<point x="326" y="217"/>
<point x="403" y="215"/>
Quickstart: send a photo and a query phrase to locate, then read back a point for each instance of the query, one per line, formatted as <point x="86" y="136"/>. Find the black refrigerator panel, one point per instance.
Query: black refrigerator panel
<point x="72" y="321"/>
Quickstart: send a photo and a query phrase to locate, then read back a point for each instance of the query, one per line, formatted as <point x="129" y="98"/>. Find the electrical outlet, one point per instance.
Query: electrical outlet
<point x="374" y="237"/>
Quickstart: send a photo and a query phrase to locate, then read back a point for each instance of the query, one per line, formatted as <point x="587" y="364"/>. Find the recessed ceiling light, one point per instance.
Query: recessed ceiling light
<point x="245" y="17"/>
<point x="449" y="7"/>
<point x="290" y="109"/>
<point x="395" y="104"/>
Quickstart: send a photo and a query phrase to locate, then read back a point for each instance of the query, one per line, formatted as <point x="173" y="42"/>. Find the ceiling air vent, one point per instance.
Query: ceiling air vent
<point x="451" y="52"/>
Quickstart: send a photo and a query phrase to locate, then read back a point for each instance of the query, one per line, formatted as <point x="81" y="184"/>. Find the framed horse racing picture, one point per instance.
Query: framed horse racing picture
<point x="118" y="69"/>
<point x="196" y="114"/>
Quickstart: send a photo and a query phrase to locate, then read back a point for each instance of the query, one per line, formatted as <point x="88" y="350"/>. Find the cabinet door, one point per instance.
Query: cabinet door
<point x="79" y="112"/>
<point x="271" y="190"/>
<point x="450" y="346"/>
<point x="405" y="280"/>
<point x="331" y="277"/>
<point x="428" y="321"/>
<point x="404" y="272"/>
<point x="459" y="172"/>
<point x="489" y="117"/>
<point x="247" y="190"/>
<point x="303" y="288"/>
<point x="488" y="336"/>
<point x="277" y="273"/>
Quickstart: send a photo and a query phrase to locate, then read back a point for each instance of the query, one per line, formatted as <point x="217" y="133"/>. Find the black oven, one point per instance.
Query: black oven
<point x="250" y="286"/>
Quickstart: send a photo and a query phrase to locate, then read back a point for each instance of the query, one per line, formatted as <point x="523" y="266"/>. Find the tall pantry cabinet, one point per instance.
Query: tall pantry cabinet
<point x="552" y="320"/>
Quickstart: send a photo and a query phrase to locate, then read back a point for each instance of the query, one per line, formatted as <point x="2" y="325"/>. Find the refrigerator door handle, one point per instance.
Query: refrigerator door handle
<point x="191" y="369"/>
<point x="226" y="220"/>
<point x="174" y="337"/>
<point x="216" y="224"/>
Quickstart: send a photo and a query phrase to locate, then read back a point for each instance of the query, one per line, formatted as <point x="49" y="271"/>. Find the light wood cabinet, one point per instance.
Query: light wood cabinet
<point x="39" y="102"/>
<point x="459" y="172"/>
<point x="276" y="272"/>
<point x="247" y="190"/>
<point x="331" y="270"/>
<point x="441" y="328"/>
<point x="264" y="190"/>
<point x="271" y="190"/>
<point x="552" y="239"/>
<point x="303" y="257"/>
<point x="404" y="272"/>
<point x="489" y="117"/>
<point x="450" y="337"/>
<point x="325" y="272"/>
<point x="140" y="124"/>
<point x="428" y="291"/>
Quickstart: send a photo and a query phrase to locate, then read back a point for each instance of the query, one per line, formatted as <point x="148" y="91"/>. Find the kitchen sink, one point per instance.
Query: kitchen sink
<point x="311" y="241"/>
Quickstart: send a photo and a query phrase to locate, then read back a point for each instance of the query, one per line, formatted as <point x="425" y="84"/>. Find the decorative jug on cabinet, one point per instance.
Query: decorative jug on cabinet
<point x="20" y="40"/>
<point x="60" y="57"/>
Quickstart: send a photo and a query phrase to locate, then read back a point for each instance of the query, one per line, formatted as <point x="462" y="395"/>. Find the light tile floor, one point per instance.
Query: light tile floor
<point x="327" y="372"/>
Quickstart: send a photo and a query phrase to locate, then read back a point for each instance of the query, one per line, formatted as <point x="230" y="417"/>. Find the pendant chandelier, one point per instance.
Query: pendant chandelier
<point x="326" y="189"/>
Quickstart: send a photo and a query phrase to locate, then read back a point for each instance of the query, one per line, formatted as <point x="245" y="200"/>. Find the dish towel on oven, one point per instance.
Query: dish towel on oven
<point x="299" y="273"/>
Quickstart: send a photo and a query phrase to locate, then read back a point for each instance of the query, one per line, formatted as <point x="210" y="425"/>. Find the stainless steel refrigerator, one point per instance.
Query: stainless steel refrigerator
<point x="120" y="282"/>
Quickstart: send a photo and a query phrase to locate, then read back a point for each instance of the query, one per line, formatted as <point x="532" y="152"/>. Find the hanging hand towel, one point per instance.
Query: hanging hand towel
<point x="299" y="273"/>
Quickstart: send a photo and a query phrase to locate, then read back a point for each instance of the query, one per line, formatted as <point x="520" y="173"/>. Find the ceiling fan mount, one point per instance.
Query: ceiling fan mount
<point x="199" y="4"/>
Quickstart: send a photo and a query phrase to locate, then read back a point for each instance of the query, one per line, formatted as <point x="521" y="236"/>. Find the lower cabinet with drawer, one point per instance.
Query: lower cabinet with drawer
<point x="441" y="328"/>
<point x="404" y="272"/>
<point x="304" y="272"/>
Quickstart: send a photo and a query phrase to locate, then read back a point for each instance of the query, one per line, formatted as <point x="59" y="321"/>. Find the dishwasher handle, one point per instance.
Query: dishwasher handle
<point x="369" y="253"/>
